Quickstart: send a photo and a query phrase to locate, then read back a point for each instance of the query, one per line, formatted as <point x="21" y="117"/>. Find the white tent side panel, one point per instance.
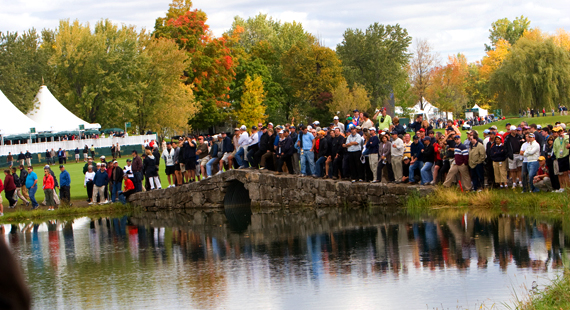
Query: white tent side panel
<point x="14" y="121"/>
<point x="50" y="113"/>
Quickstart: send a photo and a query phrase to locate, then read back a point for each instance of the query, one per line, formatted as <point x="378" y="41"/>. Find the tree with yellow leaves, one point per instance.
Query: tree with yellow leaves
<point x="252" y="110"/>
<point x="344" y="100"/>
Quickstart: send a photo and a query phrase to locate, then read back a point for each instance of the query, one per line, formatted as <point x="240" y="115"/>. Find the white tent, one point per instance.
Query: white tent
<point x="14" y="121"/>
<point x="429" y="111"/>
<point x="51" y="114"/>
<point x="476" y="110"/>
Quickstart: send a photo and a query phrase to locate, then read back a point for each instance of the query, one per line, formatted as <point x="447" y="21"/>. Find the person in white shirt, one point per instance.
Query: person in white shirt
<point x="353" y="147"/>
<point x="338" y="124"/>
<point x="397" y="154"/>
<point x="524" y="170"/>
<point x="531" y="154"/>
<point x="168" y="156"/>
<point x="88" y="182"/>
<point x="242" y="145"/>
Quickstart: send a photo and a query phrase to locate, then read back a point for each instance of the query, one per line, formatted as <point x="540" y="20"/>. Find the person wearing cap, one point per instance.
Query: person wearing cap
<point x="397" y="153"/>
<point x="338" y="124"/>
<point x="203" y="157"/>
<point x="100" y="181"/>
<point x="461" y="157"/>
<point x="560" y="151"/>
<point x="56" y="185"/>
<point x="64" y="185"/>
<point x="513" y="143"/>
<point x="252" y="147"/>
<point x="428" y="158"/>
<point x="537" y="135"/>
<point x="323" y="153"/>
<point x="242" y="146"/>
<point x="284" y="152"/>
<point x="384" y="120"/>
<point x="477" y="156"/>
<point x="48" y="187"/>
<point x="215" y="155"/>
<point x="305" y="143"/>
<point x="497" y="153"/>
<point x="254" y="156"/>
<point x="128" y="191"/>
<point x="85" y="152"/>
<point x="372" y="148"/>
<point x="353" y="145"/>
<point x="531" y="154"/>
<point x="88" y="183"/>
<point x="416" y="162"/>
<point x="116" y="178"/>
<point x="541" y="180"/>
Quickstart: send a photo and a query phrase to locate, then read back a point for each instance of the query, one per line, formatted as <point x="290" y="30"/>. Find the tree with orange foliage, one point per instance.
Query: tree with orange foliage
<point x="447" y="90"/>
<point x="211" y="67"/>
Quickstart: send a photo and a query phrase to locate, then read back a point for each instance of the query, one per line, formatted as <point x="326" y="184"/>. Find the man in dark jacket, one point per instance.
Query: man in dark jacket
<point x="137" y="171"/>
<point x="263" y="143"/>
<point x="513" y="142"/>
<point x="22" y="158"/>
<point x="293" y="135"/>
<point x="117" y="179"/>
<point x="336" y="154"/>
<point x="28" y="158"/>
<point x="284" y="153"/>
<point x="23" y="177"/>
<point x="322" y="154"/>
<point x="489" y="171"/>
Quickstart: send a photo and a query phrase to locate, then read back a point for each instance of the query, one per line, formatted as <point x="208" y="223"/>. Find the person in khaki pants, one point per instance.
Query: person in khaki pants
<point x="459" y="166"/>
<point x="397" y="153"/>
<point x="372" y="148"/>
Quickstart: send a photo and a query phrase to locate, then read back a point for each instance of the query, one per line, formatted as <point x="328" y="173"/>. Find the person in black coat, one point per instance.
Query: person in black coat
<point x="151" y="171"/>
<point x="337" y="154"/>
<point x="284" y="152"/>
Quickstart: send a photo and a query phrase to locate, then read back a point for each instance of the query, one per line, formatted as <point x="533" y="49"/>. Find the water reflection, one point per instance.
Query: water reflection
<point x="307" y="259"/>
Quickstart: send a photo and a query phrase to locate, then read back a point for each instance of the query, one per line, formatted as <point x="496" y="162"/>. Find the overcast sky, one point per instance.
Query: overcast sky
<point x="450" y="26"/>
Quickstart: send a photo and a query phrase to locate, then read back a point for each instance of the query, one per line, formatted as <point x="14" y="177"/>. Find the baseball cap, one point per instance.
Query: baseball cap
<point x="531" y="135"/>
<point x="270" y="124"/>
<point x="450" y="128"/>
<point x="102" y="157"/>
<point x="98" y="164"/>
<point x="358" y="127"/>
<point x="416" y="137"/>
<point x="541" y="158"/>
<point x="486" y="131"/>
<point x="280" y="132"/>
<point x="61" y="166"/>
<point x="236" y="129"/>
<point x="355" y="110"/>
<point x="405" y="157"/>
<point x="46" y="167"/>
<point x="317" y="122"/>
<point x="322" y="132"/>
<point x="508" y="124"/>
<point x="538" y="127"/>
<point x="457" y="137"/>
<point x="422" y="130"/>
<point x="243" y="127"/>
<point x="252" y="127"/>
<point x="349" y="118"/>
<point x="115" y="162"/>
<point x="372" y="129"/>
<point x="128" y="160"/>
<point x="494" y="127"/>
<point x="336" y="117"/>
<point x="292" y="127"/>
<point x="394" y="132"/>
<point x="518" y="128"/>
<point x="426" y="138"/>
<point x="512" y="128"/>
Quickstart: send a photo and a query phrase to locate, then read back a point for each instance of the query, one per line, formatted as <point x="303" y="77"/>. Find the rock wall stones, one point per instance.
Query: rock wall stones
<point x="267" y="190"/>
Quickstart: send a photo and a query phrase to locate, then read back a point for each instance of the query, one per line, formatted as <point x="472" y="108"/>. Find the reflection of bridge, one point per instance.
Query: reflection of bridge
<point x="265" y="189"/>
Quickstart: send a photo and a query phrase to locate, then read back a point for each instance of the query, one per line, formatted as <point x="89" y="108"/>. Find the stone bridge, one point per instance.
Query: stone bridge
<point x="264" y="189"/>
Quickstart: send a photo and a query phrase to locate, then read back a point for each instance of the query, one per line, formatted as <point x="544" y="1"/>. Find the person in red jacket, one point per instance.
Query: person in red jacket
<point x="48" y="190"/>
<point x="129" y="189"/>
<point x="9" y="188"/>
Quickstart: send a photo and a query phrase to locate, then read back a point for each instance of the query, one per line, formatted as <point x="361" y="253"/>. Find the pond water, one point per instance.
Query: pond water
<point x="311" y="259"/>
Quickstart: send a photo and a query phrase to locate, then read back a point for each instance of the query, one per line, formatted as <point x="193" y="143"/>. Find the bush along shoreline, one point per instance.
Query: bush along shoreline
<point x="22" y="216"/>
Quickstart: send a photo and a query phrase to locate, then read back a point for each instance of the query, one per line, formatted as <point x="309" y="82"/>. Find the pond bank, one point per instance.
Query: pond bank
<point x="555" y="296"/>
<point x="20" y="215"/>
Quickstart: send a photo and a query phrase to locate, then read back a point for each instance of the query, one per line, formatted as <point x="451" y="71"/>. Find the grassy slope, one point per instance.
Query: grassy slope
<point x="78" y="192"/>
<point x="515" y="121"/>
<point x="556" y="296"/>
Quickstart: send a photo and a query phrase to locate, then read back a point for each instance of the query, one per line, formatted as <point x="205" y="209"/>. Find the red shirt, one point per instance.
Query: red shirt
<point x="436" y="149"/>
<point x="129" y="185"/>
<point x="48" y="182"/>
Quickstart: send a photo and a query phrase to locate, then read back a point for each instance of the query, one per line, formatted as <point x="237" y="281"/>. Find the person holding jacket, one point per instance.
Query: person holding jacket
<point x="100" y="180"/>
<point x="476" y="159"/>
<point x="498" y="154"/>
<point x="9" y="188"/>
<point x="49" y="186"/>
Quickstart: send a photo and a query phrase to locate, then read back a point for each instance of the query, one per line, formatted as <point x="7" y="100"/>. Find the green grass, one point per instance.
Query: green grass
<point x="555" y="296"/>
<point x="543" y="121"/>
<point x="65" y="212"/>
<point x="78" y="192"/>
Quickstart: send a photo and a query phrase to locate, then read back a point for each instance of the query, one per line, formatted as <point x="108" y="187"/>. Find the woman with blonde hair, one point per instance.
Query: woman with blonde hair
<point x="150" y="170"/>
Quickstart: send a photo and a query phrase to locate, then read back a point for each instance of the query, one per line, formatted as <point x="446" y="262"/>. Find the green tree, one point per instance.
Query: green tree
<point x="375" y="58"/>
<point x="96" y="71"/>
<point x="252" y="110"/>
<point x="507" y="30"/>
<point x="535" y="74"/>
<point x="23" y="66"/>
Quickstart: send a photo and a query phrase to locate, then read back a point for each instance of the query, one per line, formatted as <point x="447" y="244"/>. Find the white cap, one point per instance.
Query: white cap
<point x="270" y="124"/>
<point x="372" y="129"/>
<point x="215" y="137"/>
<point x="513" y="128"/>
<point x="501" y="133"/>
<point x="280" y="132"/>
<point x="316" y="122"/>
<point x="243" y="127"/>
<point x="336" y="117"/>
<point x="538" y="127"/>
<point x="309" y="127"/>
<point x="102" y="156"/>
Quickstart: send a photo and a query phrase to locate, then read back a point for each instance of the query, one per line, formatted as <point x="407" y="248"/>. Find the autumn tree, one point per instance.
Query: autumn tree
<point x="252" y="110"/>
<point x="447" y="90"/>
<point x="345" y="100"/>
<point x="375" y="58"/>
<point x="509" y="31"/>
<point x="423" y="62"/>
<point x="211" y="67"/>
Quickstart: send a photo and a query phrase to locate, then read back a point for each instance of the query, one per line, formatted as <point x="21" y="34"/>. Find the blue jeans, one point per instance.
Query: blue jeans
<point x="319" y="166"/>
<point x="532" y="171"/>
<point x="138" y="177"/>
<point x="115" y="191"/>
<point x="427" y="175"/>
<point x="32" y="193"/>
<point x="209" y="165"/>
<point x="239" y="157"/>
<point x="121" y="197"/>
<point x="414" y="166"/>
<point x="307" y="158"/>
<point x="524" y="177"/>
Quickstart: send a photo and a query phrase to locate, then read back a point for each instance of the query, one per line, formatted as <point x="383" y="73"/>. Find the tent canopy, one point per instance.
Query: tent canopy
<point x="51" y="114"/>
<point x="15" y="121"/>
